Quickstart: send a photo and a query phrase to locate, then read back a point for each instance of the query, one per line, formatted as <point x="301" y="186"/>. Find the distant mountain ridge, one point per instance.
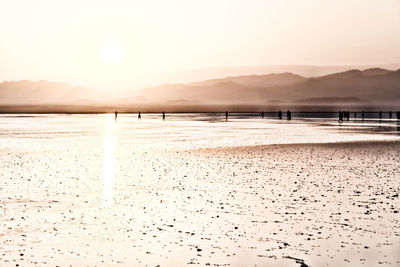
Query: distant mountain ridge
<point x="272" y="79"/>
<point x="374" y="86"/>
<point x="307" y="71"/>
<point x="44" y="93"/>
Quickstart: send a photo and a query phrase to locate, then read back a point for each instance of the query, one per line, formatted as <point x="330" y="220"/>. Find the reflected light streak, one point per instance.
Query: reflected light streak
<point x="108" y="164"/>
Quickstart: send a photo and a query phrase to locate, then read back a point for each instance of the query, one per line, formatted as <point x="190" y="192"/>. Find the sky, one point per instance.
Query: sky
<point x="130" y="44"/>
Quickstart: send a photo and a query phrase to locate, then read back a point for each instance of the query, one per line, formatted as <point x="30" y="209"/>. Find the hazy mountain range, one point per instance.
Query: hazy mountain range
<point x="371" y="87"/>
<point x="308" y="71"/>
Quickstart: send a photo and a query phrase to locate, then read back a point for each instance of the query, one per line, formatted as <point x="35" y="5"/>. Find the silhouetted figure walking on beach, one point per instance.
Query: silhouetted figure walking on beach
<point x="348" y="115"/>
<point x="390" y="115"/>
<point x="163" y="115"/>
<point x="340" y="116"/>
<point x="226" y="116"/>
<point x="139" y="116"/>
<point x="398" y="115"/>
<point x="363" y="115"/>
<point x="289" y="115"/>
<point x="262" y="115"/>
<point x="116" y="115"/>
<point x="280" y="114"/>
<point x="380" y="115"/>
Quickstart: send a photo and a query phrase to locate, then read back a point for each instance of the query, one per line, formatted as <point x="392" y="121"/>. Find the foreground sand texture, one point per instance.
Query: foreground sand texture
<point x="268" y="205"/>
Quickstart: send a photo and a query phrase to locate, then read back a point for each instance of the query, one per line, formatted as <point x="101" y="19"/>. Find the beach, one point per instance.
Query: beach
<point x="99" y="192"/>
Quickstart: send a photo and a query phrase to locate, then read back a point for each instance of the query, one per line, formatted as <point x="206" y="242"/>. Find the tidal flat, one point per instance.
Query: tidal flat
<point x="86" y="190"/>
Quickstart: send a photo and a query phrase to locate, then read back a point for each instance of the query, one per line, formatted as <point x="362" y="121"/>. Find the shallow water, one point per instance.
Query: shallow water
<point x="182" y="131"/>
<point x="86" y="190"/>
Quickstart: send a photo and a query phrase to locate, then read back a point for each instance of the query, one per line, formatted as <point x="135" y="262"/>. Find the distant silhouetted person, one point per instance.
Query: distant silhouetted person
<point x="116" y="115"/>
<point x="380" y="114"/>
<point x="390" y="115"/>
<point x="398" y="115"/>
<point x="262" y="115"/>
<point x="363" y="115"/>
<point x="348" y="115"/>
<point x="139" y="116"/>
<point x="280" y="114"/>
<point x="163" y="115"/>
<point x="226" y="116"/>
<point x="289" y="115"/>
<point x="340" y="116"/>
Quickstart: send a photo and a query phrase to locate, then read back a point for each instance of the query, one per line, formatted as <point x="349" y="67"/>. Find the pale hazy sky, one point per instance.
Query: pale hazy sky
<point x="122" y="43"/>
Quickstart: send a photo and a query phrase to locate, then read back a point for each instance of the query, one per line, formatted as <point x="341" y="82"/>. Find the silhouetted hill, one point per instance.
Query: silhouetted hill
<point x="207" y="73"/>
<point x="44" y="92"/>
<point x="265" y="80"/>
<point x="377" y="89"/>
<point x="28" y="92"/>
<point x="249" y="89"/>
<point x="372" y="87"/>
<point x="376" y="71"/>
<point x="375" y="86"/>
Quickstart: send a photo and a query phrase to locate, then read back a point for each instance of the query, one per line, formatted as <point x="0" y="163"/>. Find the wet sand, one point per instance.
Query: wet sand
<point x="273" y="205"/>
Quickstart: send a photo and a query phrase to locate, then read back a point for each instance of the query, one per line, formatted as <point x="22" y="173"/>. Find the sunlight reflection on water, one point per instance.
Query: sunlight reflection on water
<point x="40" y="132"/>
<point x="108" y="163"/>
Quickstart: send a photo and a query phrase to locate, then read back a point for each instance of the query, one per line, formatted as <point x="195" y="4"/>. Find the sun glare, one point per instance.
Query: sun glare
<point x="108" y="163"/>
<point x="110" y="52"/>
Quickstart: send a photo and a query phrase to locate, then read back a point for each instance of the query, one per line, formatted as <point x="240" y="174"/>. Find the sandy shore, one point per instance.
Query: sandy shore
<point x="275" y="205"/>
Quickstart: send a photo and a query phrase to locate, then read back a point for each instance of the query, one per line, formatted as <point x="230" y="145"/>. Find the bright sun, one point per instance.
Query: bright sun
<point x="110" y="52"/>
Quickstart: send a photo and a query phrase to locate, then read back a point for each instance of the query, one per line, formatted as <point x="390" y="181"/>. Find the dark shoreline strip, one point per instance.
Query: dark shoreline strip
<point x="344" y="144"/>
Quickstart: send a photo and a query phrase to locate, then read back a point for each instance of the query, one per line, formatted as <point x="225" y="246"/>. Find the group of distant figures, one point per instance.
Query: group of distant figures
<point x="342" y="115"/>
<point x="346" y="115"/>
<point x="280" y="115"/>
